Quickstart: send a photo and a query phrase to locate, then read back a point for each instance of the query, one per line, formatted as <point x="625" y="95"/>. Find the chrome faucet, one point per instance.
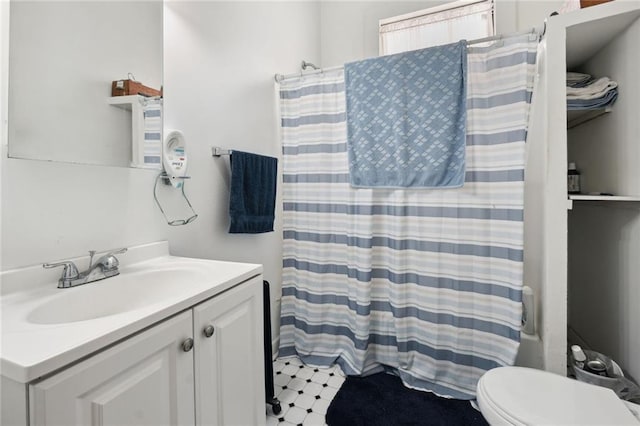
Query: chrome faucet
<point x="105" y="267"/>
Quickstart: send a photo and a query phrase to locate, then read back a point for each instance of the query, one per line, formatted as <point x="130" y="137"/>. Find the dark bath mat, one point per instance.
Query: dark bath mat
<point x="382" y="400"/>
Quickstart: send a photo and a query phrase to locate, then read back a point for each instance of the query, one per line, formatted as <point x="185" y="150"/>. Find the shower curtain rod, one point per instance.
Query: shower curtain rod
<point x="316" y="70"/>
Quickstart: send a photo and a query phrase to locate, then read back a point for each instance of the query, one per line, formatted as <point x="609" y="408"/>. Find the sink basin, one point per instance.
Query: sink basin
<point x="113" y="296"/>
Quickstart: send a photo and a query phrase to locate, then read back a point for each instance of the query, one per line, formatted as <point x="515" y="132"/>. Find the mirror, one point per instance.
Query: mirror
<point x="63" y="57"/>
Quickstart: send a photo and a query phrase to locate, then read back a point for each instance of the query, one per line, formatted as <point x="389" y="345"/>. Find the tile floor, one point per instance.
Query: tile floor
<point x="304" y="392"/>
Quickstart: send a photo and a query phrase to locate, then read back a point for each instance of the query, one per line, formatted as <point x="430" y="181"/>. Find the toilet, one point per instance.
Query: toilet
<point x="525" y="396"/>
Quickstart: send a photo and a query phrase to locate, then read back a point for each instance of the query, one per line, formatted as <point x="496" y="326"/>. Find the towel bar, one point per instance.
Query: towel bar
<point x="216" y="151"/>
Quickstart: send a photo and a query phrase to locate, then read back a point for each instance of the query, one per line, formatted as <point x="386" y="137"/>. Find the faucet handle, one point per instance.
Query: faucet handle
<point x="70" y="271"/>
<point x="109" y="262"/>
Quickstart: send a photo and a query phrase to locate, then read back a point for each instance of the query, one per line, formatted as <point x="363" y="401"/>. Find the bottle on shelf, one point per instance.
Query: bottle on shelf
<point x="578" y="356"/>
<point x="573" y="179"/>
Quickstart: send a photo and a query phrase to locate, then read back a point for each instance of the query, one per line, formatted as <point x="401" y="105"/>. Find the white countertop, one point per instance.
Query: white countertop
<point x="31" y="347"/>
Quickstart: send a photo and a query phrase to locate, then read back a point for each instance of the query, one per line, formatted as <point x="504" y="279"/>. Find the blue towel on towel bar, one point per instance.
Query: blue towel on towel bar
<point x="406" y="118"/>
<point x="253" y="193"/>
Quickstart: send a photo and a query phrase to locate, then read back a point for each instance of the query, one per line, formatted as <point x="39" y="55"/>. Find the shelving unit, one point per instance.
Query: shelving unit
<point x="129" y="103"/>
<point x="578" y="117"/>
<point x="584" y="259"/>
<point x="135" y="104"/>
<point x="602" y="230"/>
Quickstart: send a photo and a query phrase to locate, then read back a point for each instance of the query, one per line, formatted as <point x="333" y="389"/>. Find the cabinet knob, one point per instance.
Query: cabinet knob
<point x="187" y="345"/>
<point x="208" y="331"/>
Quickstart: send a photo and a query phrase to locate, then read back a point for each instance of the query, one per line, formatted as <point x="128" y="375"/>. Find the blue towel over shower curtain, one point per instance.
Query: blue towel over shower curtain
<point x="406" y="118"/>
<point x="253" y="193"/>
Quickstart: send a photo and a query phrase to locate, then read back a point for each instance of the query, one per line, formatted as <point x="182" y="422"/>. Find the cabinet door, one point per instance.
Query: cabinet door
<point x="145" y="380"/>
<point x="230" y="362"/>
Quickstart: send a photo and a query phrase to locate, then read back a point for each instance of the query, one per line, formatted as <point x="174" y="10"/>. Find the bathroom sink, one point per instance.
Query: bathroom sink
<point x="129" y="291"/>
<point x="45" y="328"/>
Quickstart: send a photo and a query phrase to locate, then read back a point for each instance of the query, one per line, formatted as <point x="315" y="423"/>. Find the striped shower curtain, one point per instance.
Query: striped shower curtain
<point x="424" y="282"/>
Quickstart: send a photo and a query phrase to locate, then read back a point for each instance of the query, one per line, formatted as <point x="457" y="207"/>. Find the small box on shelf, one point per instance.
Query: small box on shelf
<point x="132" y="87"/>
<point x="587" y="3"/>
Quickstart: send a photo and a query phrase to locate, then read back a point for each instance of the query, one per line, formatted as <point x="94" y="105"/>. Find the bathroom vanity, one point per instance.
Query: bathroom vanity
<point x="168" y="341"/>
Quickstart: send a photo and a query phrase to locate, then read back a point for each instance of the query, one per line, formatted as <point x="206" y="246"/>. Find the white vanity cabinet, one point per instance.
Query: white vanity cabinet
<point x="145" y="380"/>
<point x="229" y="358"/>
<point x="202" y="366"/>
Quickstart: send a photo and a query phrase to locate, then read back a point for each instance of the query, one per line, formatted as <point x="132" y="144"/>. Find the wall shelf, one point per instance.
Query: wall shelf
<point x="578" y="117"/>
<point x="599" y="199"/>
<point x="581" y="197"/>
<point x="129" y="102"/>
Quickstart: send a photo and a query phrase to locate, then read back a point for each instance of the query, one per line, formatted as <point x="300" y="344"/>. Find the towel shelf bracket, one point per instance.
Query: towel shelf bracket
<point x="216" y="151"/>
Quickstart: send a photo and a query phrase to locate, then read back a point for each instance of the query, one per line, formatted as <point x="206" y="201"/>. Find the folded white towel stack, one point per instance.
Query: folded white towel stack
<point x="583" y="92"/>
<point x="593" y="90"/>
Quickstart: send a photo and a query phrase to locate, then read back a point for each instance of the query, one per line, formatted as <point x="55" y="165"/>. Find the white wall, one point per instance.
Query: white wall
<point x="220" y="61"/>
<point x="528" y="13"/>
<point x="53" y="211"/>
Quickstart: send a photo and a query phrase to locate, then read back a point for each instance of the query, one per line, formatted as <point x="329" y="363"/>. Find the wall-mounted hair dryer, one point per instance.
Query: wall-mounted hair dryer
<point x="174" y="158"/>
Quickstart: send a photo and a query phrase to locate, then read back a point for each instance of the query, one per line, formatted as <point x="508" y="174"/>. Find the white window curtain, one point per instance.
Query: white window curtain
<point x="465" y="19"/>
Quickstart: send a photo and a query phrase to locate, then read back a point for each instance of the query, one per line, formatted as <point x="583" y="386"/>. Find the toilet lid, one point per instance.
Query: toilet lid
<point x="534" y="397"/>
